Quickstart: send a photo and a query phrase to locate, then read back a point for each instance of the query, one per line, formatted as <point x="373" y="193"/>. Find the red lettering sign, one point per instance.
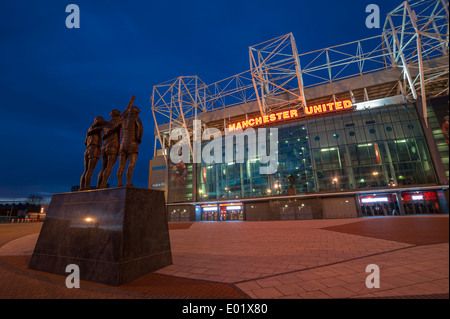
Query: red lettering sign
<point x="271" y="118"/>
<point x="328" y="107"/>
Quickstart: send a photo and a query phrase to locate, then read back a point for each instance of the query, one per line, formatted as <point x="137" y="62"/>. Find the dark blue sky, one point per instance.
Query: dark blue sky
<point x="55" y="80"/>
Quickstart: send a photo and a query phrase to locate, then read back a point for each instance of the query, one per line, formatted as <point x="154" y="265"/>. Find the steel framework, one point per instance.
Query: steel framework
<point x="177" y="100"/>
<point x="275" y="70"/>
<point x="414" y="32"/>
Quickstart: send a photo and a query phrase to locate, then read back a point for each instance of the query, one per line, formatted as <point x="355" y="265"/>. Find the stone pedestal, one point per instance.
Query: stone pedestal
<point x="114" y="235"/>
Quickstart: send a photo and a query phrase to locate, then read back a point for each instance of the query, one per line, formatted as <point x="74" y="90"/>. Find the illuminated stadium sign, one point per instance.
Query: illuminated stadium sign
<point x="329" y="107"/>
<point x="261" y="120"/>
<point x="290" y="114"/>
<point x="374" y="199"/>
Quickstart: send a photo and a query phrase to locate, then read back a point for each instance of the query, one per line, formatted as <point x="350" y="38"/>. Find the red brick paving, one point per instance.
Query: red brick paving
<point x="415" y="250"/>
<point x="179" y="226"/>
<point x="417" y="230"/>
<point x="151" y="285"/>
<point x="183" y="287"/>
<point x="148" y="286"/>
<point x="12" y="231"/>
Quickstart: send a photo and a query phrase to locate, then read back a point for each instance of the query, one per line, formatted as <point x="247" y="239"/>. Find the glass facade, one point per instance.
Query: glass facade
<point x="438" y="121"/>
<point x="180" y="182"/>
<point x="376" y="148"/>
<point x="381" y="147"/>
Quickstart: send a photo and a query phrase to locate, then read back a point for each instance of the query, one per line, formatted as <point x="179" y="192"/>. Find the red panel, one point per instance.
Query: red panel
<point x="377" y="153"/>
<point x="407" y="197"/>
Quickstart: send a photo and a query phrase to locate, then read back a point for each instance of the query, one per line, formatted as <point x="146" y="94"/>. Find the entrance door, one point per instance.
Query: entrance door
<point x="232" y="211"/>
<point x="210" y="213"/>
<point x="420" y="203"/>
<point x="222" y="212"/>
<point x="210" y="216"/>
<point x="379" y="205"/>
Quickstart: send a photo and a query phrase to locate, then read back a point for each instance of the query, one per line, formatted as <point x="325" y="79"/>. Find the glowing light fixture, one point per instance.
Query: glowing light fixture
<point x="374" y="199"/>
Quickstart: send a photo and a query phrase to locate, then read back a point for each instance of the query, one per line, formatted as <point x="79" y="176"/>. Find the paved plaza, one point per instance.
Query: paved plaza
<point x="304" y="259"/>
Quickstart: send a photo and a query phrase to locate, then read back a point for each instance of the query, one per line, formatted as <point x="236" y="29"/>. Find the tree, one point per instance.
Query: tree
<point x="34" y="203"/>
<point x="35" y="200"/>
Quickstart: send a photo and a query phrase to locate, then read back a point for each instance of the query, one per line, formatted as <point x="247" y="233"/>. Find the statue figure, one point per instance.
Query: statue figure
<point x="110" y="148"/>
<point x="93" y="143"/>
<point x="111" y="144"/>
<point x="129" y="148"/>
<point x="291" y="190"/>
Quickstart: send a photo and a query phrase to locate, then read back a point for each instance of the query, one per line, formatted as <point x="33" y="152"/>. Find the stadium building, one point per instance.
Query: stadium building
<point x="362" y="128"/>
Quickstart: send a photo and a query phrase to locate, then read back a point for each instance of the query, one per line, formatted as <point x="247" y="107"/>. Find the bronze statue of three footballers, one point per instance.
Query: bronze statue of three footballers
<point x="127" y="150"/>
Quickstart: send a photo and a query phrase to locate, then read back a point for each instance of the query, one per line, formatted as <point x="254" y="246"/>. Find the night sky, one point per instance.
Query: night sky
<point x="54" y="81"/>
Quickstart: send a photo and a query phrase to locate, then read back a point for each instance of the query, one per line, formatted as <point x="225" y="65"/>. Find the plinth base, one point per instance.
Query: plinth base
<point x="113" y="235"/>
